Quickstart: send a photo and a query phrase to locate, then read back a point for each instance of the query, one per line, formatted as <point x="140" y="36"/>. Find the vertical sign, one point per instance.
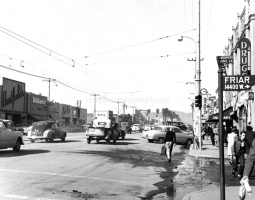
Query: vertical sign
<point x="244" y="45"/>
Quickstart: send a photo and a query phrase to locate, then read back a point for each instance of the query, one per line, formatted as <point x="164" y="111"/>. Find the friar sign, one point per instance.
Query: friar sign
<point x="244" y="45"/>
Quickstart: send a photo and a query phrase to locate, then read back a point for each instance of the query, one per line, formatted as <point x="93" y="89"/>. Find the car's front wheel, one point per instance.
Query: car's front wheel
<point x="63" y="139"/>
<point x="150" y="140"/>
<point x="189" y="142"/>
<point x="51" y="139"/>
<point x="161" y="140"/>
<point x="17" y="146"/>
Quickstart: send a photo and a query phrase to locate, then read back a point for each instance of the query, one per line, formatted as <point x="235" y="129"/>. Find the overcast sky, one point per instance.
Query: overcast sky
<point x="115" y="48"/>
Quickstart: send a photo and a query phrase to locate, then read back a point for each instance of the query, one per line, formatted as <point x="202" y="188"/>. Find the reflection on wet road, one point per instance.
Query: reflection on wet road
<point x="188" y="174"/>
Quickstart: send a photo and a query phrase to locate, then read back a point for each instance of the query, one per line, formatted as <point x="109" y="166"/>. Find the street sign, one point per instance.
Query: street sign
<point x="224" y="59"/>
<point x="212" y="98"/>
<point x="238" y="83"/>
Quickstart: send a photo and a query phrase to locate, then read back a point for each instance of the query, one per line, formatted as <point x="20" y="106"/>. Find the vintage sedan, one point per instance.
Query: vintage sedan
<point x="9" y="138"/>
<point x="159" y="132"/>
<point x="46" y="130"/>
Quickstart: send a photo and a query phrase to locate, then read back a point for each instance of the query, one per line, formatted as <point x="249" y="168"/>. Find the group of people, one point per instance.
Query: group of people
<point x="212" y="131"/>
<point x="241" y="152"/>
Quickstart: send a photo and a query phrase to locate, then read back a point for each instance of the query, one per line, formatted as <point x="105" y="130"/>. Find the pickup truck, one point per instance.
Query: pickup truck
<point x="9" y="138"/>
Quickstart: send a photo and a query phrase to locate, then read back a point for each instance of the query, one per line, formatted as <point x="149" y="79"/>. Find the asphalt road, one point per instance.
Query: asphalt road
<point x="130" y="169"/>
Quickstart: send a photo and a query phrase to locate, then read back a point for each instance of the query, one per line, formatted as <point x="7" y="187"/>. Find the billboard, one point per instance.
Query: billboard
<point x="13" y="95"/>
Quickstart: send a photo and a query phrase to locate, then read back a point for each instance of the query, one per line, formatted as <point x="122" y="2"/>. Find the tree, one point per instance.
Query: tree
<point x="157" y="111"/>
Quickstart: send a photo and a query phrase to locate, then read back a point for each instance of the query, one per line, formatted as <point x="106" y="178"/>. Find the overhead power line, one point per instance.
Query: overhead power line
<point x="64" y="84"/>
<point x="141" y="43"/>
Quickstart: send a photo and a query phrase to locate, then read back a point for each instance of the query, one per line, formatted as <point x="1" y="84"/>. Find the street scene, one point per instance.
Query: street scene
<point x="127" y="99"/>
<point x="129" y="169"/>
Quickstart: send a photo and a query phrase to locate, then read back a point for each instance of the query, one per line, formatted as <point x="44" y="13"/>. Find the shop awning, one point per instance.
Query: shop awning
<point x="226" y="116"/>
<point x="39" y="117"/>
<point x="56" y="117"/>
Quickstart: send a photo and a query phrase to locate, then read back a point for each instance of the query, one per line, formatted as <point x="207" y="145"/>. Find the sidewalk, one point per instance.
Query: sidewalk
<point x="231" y="193"/>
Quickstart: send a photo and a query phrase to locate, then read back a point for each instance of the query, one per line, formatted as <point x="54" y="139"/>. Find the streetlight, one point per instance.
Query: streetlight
<point x="197" y="84"/>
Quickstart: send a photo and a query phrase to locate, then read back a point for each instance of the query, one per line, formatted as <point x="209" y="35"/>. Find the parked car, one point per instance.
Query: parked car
<point x="46" y="130"/>
<point x="21" y="127"/>
<point x="159" y="133"/>
<point x="9" y="138"/>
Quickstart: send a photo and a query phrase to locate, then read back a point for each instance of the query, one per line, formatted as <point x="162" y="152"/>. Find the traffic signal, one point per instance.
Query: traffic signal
<point x="198" y="101"/>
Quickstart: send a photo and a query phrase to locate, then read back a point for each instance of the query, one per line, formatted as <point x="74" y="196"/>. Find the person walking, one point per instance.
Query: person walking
<point x="225" y="135"/>
<point x="211" y="133"/>
<point x="231" y="139"/>
<point x="249" y="164"/>
<point x="170" y="141"/>
<point x="241" y="147"/>
<point x="216" y="134"/>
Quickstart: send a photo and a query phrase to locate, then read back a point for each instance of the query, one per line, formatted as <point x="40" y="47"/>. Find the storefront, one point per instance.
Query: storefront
<point x="13" y="99"/>
<point x="227" y="119"/>
<point x="54" y="112"/>
<point x="65" y="113"/>
<point x="75" y="113"/>
<point x="82" y="117"/>
<point x="37" y="109"/>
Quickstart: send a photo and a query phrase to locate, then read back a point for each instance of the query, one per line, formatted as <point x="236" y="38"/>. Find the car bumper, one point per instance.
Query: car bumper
<point x="37" y="137"/>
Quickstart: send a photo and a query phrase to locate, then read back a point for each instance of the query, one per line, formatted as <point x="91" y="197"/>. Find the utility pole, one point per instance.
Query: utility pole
<point x="198" y="80"/>
<point x="95" y="99"/>
<point x="124" y="107"/>
<point x="118" y="112"/>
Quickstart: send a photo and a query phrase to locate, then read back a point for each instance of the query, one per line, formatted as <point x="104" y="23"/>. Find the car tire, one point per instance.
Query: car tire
<point x="51" y="139"/>
<point x="17" y="146"/>
<point x="150" y="140"/>
<point x="161" y="140"/>
<point x="88" y="140"/>
<point x="32" y="141"/>
<point x="97" y="140"/>
<point x="47" y="140"/>
<point x="63" y="139"/>
<point x="189" y="142"/>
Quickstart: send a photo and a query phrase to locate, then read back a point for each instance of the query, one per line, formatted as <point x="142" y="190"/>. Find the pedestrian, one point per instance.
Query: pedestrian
<point x="170" y="141"/>
<point x="241" y="147"/>
<point x="250" y="136"/>
<point x="207" y="131"/>
<point x="211" y="133"/>
<point x="216" y="134"/>
<point x="225" y="135"/>
<point x="231" y="139"/>
<point x="249" y="164"/>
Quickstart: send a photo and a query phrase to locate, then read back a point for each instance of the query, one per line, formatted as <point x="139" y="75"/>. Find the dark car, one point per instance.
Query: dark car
<point x="47" y="130"/>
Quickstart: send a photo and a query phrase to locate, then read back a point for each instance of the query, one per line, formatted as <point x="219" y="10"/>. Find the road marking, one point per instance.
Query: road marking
<point x="13" y="196"/>
<point x="75" y="176"/>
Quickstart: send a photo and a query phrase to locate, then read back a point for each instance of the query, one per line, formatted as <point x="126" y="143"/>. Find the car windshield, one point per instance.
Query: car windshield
<point x="157" y="128"/>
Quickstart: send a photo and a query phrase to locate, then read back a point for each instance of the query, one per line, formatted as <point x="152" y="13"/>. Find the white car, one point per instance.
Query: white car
<point x="147" y="127"/>
<point x="159" y="133"/>
<point x="135" y="127"/>
<point x="9" y="138"/>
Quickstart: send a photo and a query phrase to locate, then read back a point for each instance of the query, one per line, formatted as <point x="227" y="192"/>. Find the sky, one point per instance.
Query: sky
<point x="124" y="51"/>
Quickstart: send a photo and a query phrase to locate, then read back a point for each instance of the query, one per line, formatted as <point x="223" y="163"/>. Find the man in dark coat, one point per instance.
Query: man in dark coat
<point x="170" y="141"/>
